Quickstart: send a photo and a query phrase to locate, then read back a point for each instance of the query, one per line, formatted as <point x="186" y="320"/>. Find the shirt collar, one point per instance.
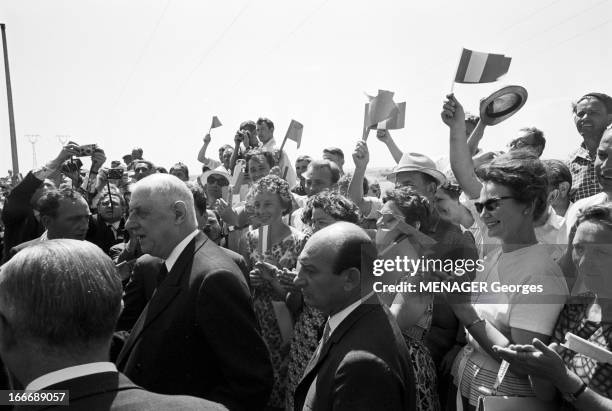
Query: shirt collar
<point x="336" y="319"/>
<point x="270" y="144"/>
<point x="176" y="252"/>
<point x="554" y="220"/>
<point x="582" y="152"/>
<point x="69" y="373"/>
<point x="44" y="236"/>
<point x="115" y="225"/>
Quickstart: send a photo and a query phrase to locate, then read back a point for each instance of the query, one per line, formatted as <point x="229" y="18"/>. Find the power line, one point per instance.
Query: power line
<point x="141" y="55"/>
<point x="213" y="46"/>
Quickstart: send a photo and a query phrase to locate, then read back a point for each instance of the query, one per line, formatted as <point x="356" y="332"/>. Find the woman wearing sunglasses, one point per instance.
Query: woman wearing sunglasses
<point x="513" y="192"/>
<point x="583" y="383"/>
<point x="400" y="221"/>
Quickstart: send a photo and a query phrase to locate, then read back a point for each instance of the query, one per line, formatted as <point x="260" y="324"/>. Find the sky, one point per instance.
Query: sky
<point x="152" y="73"/>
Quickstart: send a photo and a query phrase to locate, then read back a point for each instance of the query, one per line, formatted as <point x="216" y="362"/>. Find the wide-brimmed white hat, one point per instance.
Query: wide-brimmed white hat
<point x="417" y="162"/>
<point x="502" y="104"/>
<point x="208" y="173"/>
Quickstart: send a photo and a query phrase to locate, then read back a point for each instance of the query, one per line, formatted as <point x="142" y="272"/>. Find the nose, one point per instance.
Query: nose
<point x="299" y="281"/>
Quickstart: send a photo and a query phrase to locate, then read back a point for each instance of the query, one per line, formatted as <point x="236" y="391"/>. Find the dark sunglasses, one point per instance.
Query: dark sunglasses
<point x="221" y="181"/>
<point x="490" y="204"/>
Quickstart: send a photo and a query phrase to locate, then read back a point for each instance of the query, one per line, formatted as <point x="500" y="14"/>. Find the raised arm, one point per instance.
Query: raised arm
<point x="474" y="139"/>
<point x="460" y="157"/>
<point x="385" y="137"/>
<point x="361" y="157"/>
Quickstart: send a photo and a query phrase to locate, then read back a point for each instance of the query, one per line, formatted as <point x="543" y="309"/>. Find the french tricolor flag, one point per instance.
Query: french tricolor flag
<point x="478" y="67"/>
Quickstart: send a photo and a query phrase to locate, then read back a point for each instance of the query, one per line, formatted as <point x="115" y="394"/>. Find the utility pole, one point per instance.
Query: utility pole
<point x="33" y="139"/>
<point x="9" y="96"/>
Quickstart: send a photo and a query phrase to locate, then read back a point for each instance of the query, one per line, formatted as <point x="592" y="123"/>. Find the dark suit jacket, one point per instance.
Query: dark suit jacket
<point x="364" y="365"/>
<point x="18" y="215"/>
<point x="198" y="335"/>
<point x="21" y="246"/>
<point x="114" y="391"/>
<point x="143" y="282"/>
<point x="101" y="234"/>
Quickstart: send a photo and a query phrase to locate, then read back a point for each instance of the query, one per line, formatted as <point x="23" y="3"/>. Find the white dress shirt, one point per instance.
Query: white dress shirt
<point x="69" y="373"/>
<point x="176" y="251"/>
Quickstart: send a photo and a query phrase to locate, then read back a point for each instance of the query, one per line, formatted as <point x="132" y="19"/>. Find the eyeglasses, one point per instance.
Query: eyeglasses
<point x="490" y="204"/>
<point x="219" y="181"/>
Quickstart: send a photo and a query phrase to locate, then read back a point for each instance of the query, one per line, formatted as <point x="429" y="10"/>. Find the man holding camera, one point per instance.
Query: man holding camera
<point x="20" y="214"/>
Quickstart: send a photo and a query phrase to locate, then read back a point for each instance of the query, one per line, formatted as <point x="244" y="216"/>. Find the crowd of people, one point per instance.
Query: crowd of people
<point x="253" y="285"/>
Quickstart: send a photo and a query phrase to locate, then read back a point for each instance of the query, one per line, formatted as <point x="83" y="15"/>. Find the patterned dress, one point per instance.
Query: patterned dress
<point x="306" y="335"/>
<point x="422" y="363"/>
<point x="574" y="319"/>
<point x="283" y="254"/>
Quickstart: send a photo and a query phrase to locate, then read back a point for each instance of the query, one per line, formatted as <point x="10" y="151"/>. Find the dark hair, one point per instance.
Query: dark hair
<point x="64" y="295"/>
<point x="266" y="121"/>
<point x="275" y="185"/>
<point x="114" y="192"/>
<point x="538" y="138"/>
<point x="334" y="151"/>
<point x="558" y="172"/>
<point x="333" y="204"/>
<point x="333" y="168"/>
<point x="413" y="206"/>
<point x="255" y="152"/>
<point x="605" y="99"/>
<point x="523" y="174"/>
<point x="304" y="157"/>
<point x="199" y="197"/>
<point x="48" y="203"/>
<point x="149" y="164"/>
<point x="345" y="181"/>
<point x="451" y="187"/>
<point x="180" y="166"/>
<point x="161" y="169"/>
<point x="471" y="119"/>
<point x="248" y="125"/>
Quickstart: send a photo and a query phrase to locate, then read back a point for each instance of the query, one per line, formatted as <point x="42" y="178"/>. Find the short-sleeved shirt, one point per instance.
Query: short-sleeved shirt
<point x="525" y="266"/>
<point x="584" y="179"/>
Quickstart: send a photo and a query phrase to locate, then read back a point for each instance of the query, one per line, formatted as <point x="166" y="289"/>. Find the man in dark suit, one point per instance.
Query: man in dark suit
<point x="198" y="334"/>
<point x="59" y="301"/>
<point x="107" y="226"/>
<point x="64" y="213"/>
<point x="362" y="362"/>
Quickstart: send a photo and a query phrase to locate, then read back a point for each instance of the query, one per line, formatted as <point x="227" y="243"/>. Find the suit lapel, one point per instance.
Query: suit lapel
<point x="363" y="309"/>
<point x="163" y="296"/>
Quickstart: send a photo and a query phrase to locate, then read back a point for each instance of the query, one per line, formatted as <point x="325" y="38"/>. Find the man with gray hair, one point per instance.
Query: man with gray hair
<point x="198" y="334"/>
<point x="59" y="301"/>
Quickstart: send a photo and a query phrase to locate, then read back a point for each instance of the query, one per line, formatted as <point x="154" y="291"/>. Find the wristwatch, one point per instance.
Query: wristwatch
<point x="572" y="397"/>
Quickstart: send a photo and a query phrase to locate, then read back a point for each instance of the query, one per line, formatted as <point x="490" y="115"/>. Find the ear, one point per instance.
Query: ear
<point x="564" y="189"/>
<point x="352" y="279"/>
<point x="530" y="209"/>
<point x="417" y="225"/>
<point x="432" y="188"/>
<point x="180" y="211"/>
<point x="552" y="196"/>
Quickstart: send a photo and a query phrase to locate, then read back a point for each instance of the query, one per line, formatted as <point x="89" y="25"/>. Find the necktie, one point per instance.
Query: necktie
<point x="163" y="273"/>
<point x="324" y="338"/>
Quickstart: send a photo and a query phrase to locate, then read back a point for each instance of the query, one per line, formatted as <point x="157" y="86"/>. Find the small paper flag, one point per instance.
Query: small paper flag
<point x="294" y="132"/>
<point x="477" y="67"/>
<point x="215" y="122"/>
<point x="383" y="113"/>
<point x="263" y="244"/>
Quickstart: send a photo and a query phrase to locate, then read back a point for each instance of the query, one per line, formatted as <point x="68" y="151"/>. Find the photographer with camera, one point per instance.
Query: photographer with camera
<point x="20" y="218"/>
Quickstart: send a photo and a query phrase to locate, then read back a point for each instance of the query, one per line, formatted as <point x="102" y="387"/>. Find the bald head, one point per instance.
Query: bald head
<point x="335" y="267"/>
<point x="162" y="213"/>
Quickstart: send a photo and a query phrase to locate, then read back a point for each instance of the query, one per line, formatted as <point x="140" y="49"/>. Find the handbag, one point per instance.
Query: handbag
<point x="493" y="402"/>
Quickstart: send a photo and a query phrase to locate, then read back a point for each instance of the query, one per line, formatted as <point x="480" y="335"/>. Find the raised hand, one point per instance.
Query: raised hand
<point x="361" y="155"/>
<point x="452" y="111"/>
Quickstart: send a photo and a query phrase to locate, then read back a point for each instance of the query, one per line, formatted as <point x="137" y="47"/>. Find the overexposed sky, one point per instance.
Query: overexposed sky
<point x="152" y="73"/>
